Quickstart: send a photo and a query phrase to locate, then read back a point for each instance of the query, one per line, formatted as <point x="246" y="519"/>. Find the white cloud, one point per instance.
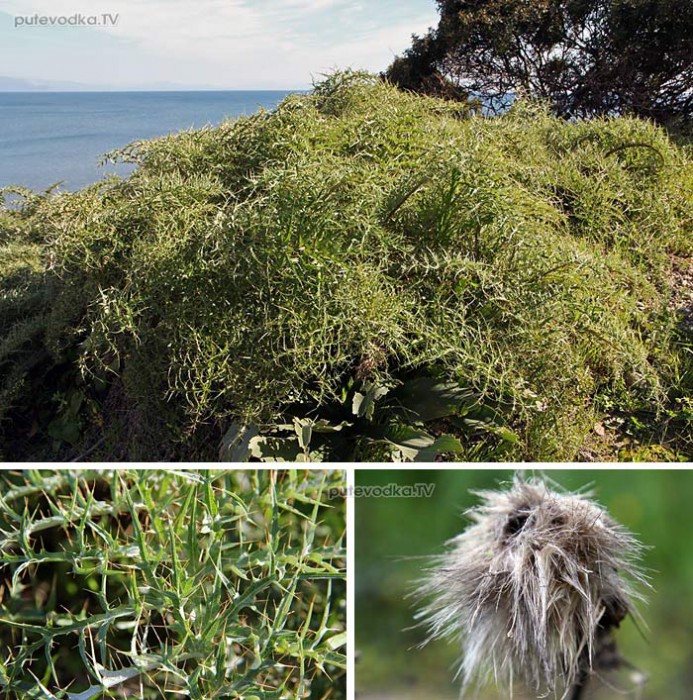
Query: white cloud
<point x="239" y="43"/>
<point x="305" y="5"/>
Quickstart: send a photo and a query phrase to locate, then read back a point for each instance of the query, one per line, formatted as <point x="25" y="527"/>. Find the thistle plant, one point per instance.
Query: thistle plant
<point x="163" y="584"/>
<point x="534" y="589"/>
<point x="254" y="279"/>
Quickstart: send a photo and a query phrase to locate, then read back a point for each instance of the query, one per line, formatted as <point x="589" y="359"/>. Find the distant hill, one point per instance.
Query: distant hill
<point x="22" y="85"/>
<point x="8" y="84"/>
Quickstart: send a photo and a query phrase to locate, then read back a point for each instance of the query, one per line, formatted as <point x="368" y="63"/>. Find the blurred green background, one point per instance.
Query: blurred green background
<point x="393" y="533"/>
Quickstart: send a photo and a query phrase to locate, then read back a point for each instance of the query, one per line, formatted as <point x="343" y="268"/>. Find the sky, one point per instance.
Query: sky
<point x="225" y="44"/>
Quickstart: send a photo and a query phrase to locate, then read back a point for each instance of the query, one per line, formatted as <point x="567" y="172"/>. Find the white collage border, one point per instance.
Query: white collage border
<point x="350" y="469"/>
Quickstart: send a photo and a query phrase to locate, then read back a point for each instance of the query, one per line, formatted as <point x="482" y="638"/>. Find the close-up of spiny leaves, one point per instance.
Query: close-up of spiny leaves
<point x="172" y="584"/>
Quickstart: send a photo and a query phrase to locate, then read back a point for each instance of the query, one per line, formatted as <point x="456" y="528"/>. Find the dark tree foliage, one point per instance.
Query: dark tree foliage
<point x="586" y="57"/>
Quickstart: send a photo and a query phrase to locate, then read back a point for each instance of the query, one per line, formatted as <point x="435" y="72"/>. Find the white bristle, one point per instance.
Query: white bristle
<point x="531" y="587"/>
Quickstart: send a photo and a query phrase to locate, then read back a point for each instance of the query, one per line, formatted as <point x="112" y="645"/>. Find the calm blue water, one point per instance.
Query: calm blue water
<point x="60" y="136"/>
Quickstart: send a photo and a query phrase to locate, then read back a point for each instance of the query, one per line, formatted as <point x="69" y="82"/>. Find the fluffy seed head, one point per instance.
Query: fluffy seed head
<point x="532" y="587"/>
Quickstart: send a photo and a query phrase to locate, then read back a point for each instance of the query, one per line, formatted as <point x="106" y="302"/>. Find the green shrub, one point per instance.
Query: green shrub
<point x="272" y="267"/>
<point x="163" y="584"/>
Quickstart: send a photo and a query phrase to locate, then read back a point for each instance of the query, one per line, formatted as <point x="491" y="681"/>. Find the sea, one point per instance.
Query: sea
<point x="60" y="137"/>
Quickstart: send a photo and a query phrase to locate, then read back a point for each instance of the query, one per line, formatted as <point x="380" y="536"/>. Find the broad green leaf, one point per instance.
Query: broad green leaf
<point x="323" y="426"/>
<point x="235" y="445"/>
<point x="363" y="405"/>
<point x="304" y="430"/>
<point x="442" y="444"/>
<point x="274" y="449"/>
<point x="429" y="398"/>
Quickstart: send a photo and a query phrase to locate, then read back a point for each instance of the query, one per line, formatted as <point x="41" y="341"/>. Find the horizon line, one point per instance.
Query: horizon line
<point x="92" y="90"/>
